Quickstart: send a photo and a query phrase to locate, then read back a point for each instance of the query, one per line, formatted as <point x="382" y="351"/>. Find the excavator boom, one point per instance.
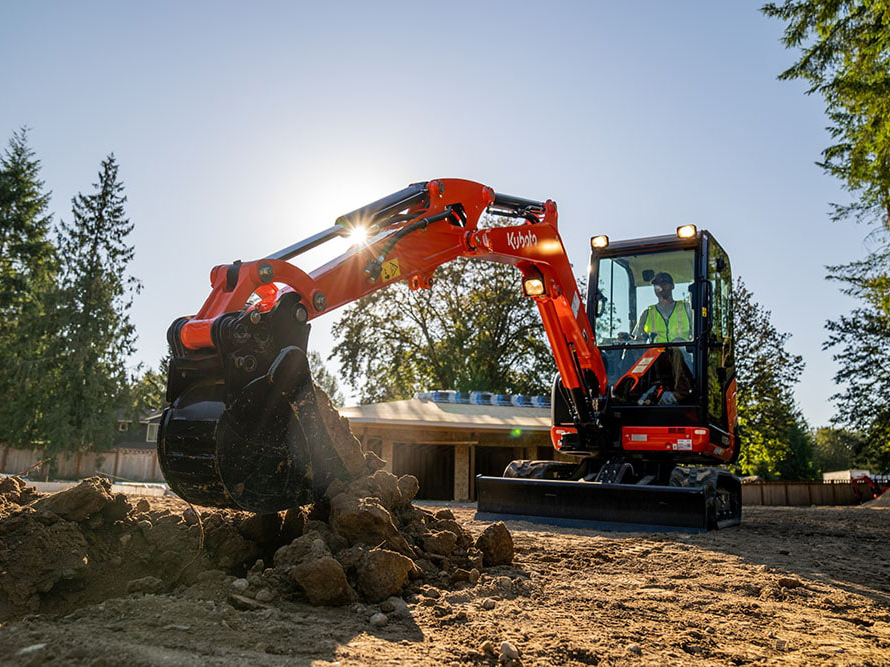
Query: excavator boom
<point x="244" y="427"/>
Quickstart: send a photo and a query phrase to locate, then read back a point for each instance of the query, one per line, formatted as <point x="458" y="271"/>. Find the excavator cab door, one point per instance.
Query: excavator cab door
<point x="719" y="378"/>
<point x="663" y="322"/>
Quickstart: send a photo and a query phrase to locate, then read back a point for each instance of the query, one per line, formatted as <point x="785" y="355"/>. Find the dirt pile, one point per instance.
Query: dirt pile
<point x="364" y="541"/>
<point x="882" y="500"/>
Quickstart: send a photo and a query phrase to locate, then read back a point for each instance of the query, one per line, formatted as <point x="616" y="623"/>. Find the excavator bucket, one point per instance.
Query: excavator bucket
<point x="252" y="435"/>
<point x="623" y="507"/>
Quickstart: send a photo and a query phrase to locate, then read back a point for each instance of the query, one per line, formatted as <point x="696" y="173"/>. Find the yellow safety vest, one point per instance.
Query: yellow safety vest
<point x="677" y="325"/>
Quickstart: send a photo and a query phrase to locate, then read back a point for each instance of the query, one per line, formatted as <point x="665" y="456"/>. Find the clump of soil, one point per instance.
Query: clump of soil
<point x="364" y="541"/>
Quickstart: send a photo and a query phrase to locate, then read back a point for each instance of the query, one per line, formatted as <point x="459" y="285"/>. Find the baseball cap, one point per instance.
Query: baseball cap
<point x="662" y="277"/>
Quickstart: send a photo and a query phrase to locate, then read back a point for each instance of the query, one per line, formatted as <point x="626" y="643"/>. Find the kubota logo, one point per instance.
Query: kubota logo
<point x="517" y="240"/>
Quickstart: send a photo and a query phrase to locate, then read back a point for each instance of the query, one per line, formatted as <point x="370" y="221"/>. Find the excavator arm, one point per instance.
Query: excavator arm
<point x="244" y="428"/>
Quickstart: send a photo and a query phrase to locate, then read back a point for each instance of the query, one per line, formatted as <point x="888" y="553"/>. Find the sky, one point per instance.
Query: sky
<point x="241" y="128"/>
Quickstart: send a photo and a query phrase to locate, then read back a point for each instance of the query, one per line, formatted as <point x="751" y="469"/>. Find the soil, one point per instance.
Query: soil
<point x="128" y="581"/>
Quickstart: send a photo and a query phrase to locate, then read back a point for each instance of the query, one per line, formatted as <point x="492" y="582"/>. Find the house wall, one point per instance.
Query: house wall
<point x="446" y="461"/>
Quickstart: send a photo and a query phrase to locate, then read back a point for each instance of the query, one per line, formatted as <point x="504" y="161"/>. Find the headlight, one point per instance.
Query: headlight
<point x="599" y="242"/>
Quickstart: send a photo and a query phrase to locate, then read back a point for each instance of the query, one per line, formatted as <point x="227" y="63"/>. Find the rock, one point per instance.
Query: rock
<point x="240" y="585"/>
<point x="118" y="509"/>
<point x="381" y="573"/>
<point x="244" y="603"/>
<point x="373" y="463"/>
<point x="378" y="620"/>
<point x="460" y="574"/>
<point x="789" y="582"/>
<point x="15" y="490"/>
<point x="308" y="546"/>
<point x="487" y="647"/>
<point x="509" y="652"/>
<point x="323" y="580"/>
<point x="635" y="649"/>
<point x="33" y="648"/>
<point x="190" y="516"/>
<point x="365" y="521"/>
<point x="395" y="606"/>
<point x="143" y="505"/>
<point x="265" y="595"/>
<point x="431" y="593"/>
<point x="441" y="542"/>
<point x="385" y="487"/>
<point x="79" y="502"/>
<point x="145" y="585"/>
<point x="488" y="604"/>
<point x="445" y="515"/>
<point x="408" y="487"/>
<point x="229" y="547"/>
<point x="264" y="529"/>
<point x="496" y="545"/>
<point x="504" y="583"/>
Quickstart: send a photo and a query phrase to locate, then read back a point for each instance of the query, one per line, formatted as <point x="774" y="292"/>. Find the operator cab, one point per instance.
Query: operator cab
<point x="661" y="311"/>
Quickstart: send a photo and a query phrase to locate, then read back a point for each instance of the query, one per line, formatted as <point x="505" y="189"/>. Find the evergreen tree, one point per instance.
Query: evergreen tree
<point x="845" y="57"/>
<point x="472" y="330"/>
<point x="861" y="345"/>
<point x="28" y="268"/>
<point x="776" y="441"/>
<point x="96" y="335"/>
<point x="148" y="389"/>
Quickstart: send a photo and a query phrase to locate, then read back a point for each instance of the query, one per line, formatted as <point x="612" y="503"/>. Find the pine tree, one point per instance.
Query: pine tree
<point x="96" y="335"/>
<point x="776" y="440"/>
<point x="28" y="269"/>
<point x="845" y="57"/>
<point x="861" y="345"/>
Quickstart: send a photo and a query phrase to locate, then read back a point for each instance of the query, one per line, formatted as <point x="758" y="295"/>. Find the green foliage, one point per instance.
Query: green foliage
<point x="472" y="330"/>
<point x="324" y="379"/>
<point x="28" y="267"/>
<point x="148" y="390"/>
<point x="861" y="345"/>
<point x="95" y="333"/>
<point x="837" y="449"/>
<point x="845" y="57"/>
<point x="776" y="442"/>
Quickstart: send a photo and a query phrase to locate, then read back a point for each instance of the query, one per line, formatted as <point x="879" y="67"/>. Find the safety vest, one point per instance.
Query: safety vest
<point x="677" y="325"/>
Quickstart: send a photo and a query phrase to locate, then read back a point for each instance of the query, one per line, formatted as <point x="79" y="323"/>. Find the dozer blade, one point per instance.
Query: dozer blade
<point x="266" y="450"/>
<point x="622" y="507"/>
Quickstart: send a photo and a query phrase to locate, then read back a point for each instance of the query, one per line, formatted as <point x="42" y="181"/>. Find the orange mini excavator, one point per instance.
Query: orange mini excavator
<point x="643" y="405"/>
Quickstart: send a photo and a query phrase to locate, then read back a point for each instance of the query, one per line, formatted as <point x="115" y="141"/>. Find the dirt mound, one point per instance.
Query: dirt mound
<point x="882" y="500"/>
<point x="364" y="541"/>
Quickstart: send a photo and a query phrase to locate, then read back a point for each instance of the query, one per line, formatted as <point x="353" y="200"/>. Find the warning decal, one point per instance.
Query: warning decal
<point x="390" y="270"/>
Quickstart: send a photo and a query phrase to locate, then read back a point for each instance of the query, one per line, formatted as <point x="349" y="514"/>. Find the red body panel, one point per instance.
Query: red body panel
<point x="679" y="439"/>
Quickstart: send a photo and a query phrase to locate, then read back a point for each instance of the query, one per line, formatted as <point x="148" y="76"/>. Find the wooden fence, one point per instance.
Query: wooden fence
<point x="133" y="465"/>
<point x="141" y="465"/>
<point x="800" y="493"/>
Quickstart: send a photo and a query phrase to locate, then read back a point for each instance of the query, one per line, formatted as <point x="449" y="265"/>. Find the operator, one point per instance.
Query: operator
<point x="667" y="320"/>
